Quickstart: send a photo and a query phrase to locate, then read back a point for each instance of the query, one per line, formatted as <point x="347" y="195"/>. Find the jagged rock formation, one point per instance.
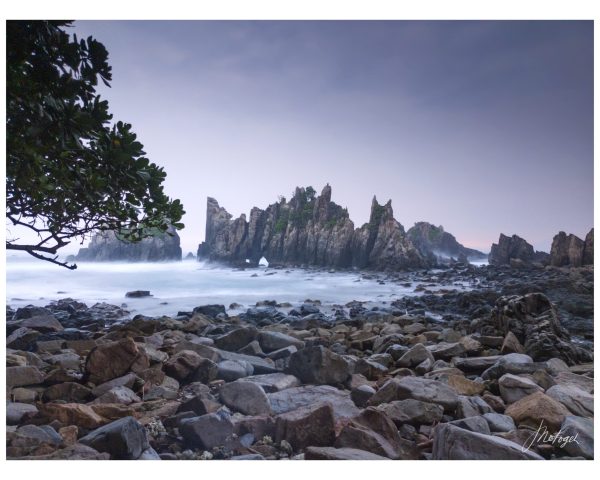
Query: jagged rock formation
<point x="570" y="250"/>
<point x="435" y="243"/>
<point x="309" y="230"/>
<point x="533" y="320"/>
<point x="513" y="251"/>
<point x="106" y="247"/>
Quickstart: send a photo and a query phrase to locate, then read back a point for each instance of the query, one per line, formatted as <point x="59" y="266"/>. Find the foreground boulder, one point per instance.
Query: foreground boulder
<point x="417" y="388"/>
<point x="245" y="397"/>
<point x="330" y="453"/>
<point x="538" y="408"/>
<point x="319" y="365"/>
<point x="306" y="426"/>
<point x="114" y="359"/>
<point x="454" y="443"/>
<point x="207" y="431"/>
<point x="123" y="439"/>
<point x="581" y="429"/>
<point x="374" y="432"/>
<point x="413" y="412"/>
<point x="72" y="452"/>
<point x="71" y="414"/>
<point x="310" y="395"/>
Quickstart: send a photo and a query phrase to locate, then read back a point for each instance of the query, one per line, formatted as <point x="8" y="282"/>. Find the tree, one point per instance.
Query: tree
<point x="68" y="171"/>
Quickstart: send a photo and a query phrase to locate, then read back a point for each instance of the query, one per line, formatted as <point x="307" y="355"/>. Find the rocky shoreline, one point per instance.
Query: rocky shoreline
<point x="486" y="371"/>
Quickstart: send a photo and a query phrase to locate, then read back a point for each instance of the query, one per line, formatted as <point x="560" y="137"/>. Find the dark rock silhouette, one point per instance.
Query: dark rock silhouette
<point x="514" y="251"/>
<point x="309" y="230"/>
<point x="570" y="250"/>
<point x="440" y="246"/>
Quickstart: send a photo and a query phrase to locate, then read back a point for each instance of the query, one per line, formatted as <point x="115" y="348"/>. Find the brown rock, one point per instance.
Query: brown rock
<point x="183" y="364"/>
<point x="536" y="408"/>
<point x="68" y="391"/>
<point x="464" y="386"/>
<point x="69" y="434"/>
<point x="113" y="411"/>
<point x="73" y="452"/>
<point x="511" y="344"/>
<point x="258" y="425"/>
<point x="71" y="414"/>
<point x="374" y="432"/>
<point x="494" y="401"/>
<point x="114" y="359"/>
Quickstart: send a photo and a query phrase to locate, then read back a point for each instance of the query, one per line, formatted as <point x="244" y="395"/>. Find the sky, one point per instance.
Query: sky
<point x="483" y="126"/>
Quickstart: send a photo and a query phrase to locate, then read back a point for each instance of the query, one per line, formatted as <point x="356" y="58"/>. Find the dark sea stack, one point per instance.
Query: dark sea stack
<point x="434" y="242"/>
<point x="588" y="249"/>
<point x="308" y="230"/>
<point x="514" y="250"/>
<point x="106" y="247"/>
<point x="382" y="243"/>
<point x="571" y="251"/>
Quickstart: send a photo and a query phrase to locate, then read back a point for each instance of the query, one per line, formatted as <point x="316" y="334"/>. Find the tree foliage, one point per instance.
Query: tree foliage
<point x="69" y="172"/>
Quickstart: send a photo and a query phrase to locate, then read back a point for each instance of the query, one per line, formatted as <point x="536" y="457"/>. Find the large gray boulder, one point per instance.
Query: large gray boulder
<point x="417" y="388"/>
<point x="454" y="443"/>
<point x="319" y="365"/>
<point x="123" y="439"/>
<point x="581" y="433"/>
<point x="245" y="397"/>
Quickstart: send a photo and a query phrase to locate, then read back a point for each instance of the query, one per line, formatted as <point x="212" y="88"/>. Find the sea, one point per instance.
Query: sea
<point x="181" y="286"/>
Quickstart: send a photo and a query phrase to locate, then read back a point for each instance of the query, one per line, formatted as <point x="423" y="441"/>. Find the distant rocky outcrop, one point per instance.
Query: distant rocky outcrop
<point x="107" y="247"/>
<point x="570" y="250"/>
<point x="435" y="243"/>
<point x="514" y="251"/>
<point x="309" y="230"/>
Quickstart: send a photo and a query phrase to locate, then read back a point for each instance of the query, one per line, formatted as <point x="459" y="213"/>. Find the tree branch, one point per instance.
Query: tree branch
<point x="31" y="250"/>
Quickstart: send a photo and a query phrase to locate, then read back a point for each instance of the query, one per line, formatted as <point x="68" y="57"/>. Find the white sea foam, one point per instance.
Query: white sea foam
<point x="181" y="286"/>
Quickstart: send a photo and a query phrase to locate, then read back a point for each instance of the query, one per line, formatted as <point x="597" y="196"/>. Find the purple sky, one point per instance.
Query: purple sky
<point x="483" y="127"/>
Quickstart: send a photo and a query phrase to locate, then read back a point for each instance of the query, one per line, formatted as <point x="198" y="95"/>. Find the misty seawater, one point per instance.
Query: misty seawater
<point x="181" y="286"/>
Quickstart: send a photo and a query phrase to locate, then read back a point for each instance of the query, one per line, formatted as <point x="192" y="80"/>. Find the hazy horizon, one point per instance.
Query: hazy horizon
<point x="484" y="127"/>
